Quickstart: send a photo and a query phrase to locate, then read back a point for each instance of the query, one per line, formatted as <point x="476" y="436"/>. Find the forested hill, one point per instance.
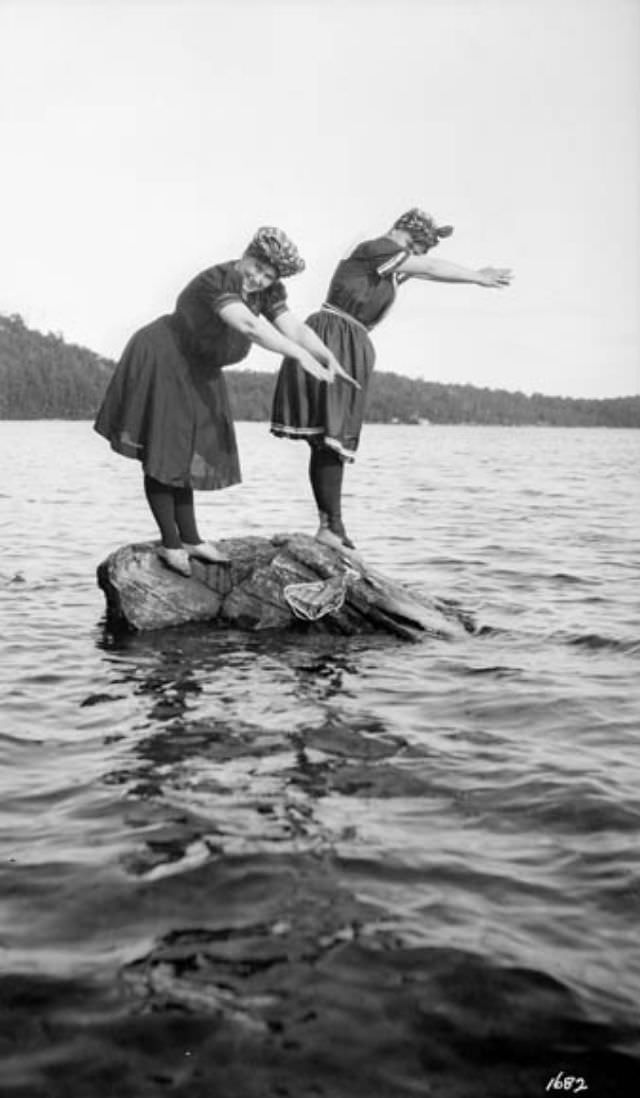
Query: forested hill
<point x="43" y="377"/>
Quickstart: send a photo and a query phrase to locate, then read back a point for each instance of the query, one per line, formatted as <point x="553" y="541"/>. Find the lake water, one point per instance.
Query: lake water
<point x="239" y="866"/>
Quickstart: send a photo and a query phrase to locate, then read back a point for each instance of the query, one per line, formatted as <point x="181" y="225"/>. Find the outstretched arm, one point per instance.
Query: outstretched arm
<point x="266" y="335"/>
<point x="441" y="270"/>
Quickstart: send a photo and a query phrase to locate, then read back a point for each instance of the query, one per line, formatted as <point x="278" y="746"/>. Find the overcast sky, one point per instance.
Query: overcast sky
<point x="141" y="142"/>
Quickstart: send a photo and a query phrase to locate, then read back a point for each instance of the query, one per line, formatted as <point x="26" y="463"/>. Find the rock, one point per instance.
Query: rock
<point x="254" y="591"/>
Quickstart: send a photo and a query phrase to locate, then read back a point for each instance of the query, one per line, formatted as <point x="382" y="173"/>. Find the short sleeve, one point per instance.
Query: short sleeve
<point x="382" y="256"/>
<point x="219" y="286"/>
<point x="273" y="300"/>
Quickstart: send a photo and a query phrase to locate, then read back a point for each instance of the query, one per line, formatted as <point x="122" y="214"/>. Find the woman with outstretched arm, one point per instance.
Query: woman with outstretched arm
<point x="361" y="292"/>
<point x="167" y="403"/>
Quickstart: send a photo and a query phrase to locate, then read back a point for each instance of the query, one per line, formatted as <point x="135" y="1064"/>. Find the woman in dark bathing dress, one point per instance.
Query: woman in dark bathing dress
<point x="167" y="403"/>
<point x="361" y="293"/>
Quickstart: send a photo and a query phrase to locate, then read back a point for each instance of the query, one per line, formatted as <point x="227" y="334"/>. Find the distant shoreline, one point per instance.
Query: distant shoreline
<point x="370" y="423"/>
<point x="43" y="377"/>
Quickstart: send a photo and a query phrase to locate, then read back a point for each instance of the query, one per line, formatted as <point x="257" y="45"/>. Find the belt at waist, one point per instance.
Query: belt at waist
<point x="327" y="308"/>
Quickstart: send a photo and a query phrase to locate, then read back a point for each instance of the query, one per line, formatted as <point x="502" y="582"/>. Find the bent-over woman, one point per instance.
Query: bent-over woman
<point x="167" y="403"/>
<point x="361" y="293"/>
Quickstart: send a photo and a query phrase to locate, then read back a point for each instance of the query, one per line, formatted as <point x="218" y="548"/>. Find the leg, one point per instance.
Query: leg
<point x="326" y="471"/>
<point x="161" y="500"/>
<point x="315" y="485"/>
<point x="186" y="516"/>
<point x="188" y="530"/>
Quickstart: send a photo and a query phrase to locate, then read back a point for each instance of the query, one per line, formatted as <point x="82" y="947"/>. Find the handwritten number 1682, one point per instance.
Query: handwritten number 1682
<point x="561" y="1081"/>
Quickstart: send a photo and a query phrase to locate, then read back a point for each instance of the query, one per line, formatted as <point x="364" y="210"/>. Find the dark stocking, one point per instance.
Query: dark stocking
<point x="186" y="516"/>
<point x="161" y="500"/>
<point x="326" y="470"/>
<point x="314" y="479"/>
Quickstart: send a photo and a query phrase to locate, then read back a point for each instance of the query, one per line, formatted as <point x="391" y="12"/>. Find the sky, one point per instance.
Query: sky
<point x="142" y="142"/>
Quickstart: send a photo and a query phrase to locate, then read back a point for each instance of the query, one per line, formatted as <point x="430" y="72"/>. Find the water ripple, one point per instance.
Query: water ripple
<point x="412" y="869"/>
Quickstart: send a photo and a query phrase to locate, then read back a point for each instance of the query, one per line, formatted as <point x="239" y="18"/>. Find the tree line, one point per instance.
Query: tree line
<point x="44" y="377"/>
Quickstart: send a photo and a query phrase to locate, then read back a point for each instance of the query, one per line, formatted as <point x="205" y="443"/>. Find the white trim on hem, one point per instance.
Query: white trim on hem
<point x="305" y="432"/>
<point x="302" y="431"/>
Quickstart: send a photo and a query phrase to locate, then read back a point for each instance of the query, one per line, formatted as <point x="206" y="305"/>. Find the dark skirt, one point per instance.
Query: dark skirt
<point x="330" y="415"/>
<point x="171" y="412"/>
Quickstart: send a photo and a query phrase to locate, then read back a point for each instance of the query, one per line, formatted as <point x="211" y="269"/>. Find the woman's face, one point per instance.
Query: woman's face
<point x="256" y="274"/>
<point x="407" y="240"/>
<point x="415" y="247"/>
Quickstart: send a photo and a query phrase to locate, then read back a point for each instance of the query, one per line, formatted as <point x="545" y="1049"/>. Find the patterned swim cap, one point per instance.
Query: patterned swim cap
<point x="423" y="228"/>
<point x="273" y="246"/>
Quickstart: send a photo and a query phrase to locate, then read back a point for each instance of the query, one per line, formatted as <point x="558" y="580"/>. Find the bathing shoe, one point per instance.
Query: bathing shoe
<point x="346" y="549"/>
<point x="176" y="559"/>
<point x="204" y="550"/>
<point x="346" y="540"/>
<point x="336" y="528"/>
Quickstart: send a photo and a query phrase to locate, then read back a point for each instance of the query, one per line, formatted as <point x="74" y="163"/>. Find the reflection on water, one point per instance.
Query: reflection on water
<point x="269" y="865"/>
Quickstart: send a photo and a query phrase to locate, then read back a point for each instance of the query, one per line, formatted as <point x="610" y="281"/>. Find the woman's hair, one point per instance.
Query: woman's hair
<point x="422" y="228"/>
<point x="274" y="247"/>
